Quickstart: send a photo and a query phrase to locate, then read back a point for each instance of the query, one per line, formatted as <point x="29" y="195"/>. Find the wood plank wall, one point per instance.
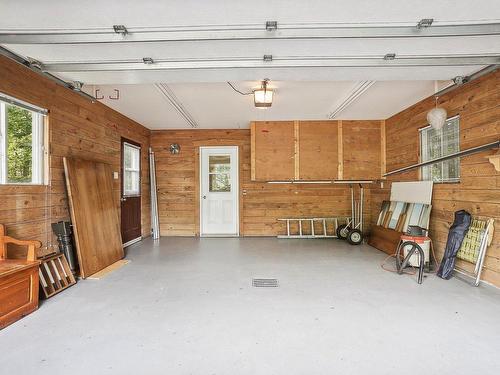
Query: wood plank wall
<point x="478" y="104"/>
<point x="262" y="203"/>
<point x="77" y="128"/>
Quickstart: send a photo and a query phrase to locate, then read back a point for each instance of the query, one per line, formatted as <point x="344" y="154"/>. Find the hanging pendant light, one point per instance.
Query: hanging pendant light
<point x="436" y="117"/>
<point x="263" y="97"/>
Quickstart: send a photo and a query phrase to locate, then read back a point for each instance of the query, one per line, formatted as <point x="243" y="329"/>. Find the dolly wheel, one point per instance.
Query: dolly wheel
<point x="342" y="231"/>
<point x="355" y="237"/>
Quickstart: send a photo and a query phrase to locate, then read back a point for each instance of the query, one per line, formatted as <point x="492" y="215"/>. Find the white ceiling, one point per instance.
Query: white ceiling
<point x="302" y="92"/>
<point x="217" y="106"/>
<point x="75" y="14"/>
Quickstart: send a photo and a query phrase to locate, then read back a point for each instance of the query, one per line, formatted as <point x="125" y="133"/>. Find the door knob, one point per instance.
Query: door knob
<point x="204" y="197"/>
<point x="123" y="199"/>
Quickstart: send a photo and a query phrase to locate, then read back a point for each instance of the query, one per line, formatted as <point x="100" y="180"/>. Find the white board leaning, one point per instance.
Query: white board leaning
<point x="412" y="192"/>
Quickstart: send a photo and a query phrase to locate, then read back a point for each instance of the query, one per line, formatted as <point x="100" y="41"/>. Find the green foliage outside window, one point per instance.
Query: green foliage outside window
<point x="19" y="145"/>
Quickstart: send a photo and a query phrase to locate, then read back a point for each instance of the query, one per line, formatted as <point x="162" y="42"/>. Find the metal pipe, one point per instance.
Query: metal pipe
<point x="467" y="79"/>
<point x="362" y="205"/>
<point x="353" y="214"/>
<point x="155" y="223"/>
<point x="469" y="151"/>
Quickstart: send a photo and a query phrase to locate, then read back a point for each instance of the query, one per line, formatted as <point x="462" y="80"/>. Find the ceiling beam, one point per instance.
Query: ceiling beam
<point x="240" y="32"/>
<point x="351" y="97"/>
<point x="168" y="94"/>
<point x="292" y="62"/>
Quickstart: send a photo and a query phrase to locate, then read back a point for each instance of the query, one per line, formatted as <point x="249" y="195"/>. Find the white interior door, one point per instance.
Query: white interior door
<point x="219" y="211"/>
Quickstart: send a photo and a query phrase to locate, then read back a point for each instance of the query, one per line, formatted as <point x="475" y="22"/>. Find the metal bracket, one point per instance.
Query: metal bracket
<point x="271" y="25"/>
<point x="120" y="29"/>
<point x="117" y="96"/>
<point x="96" y="94"/>
<point x="33" y="63"/>
<point x="425" y="22"/>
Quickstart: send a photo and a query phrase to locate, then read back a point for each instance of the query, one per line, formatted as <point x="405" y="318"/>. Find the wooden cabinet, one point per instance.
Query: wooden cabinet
<point x="318" y="156"/>
<point x="273" y="150"/>
<point x="361" y="144"/>
<point x="18" y="289"/>
<point x="316" y="150"/>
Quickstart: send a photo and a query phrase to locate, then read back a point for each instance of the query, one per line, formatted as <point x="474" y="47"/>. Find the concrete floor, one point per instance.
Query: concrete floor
<point x="186" y="306"/>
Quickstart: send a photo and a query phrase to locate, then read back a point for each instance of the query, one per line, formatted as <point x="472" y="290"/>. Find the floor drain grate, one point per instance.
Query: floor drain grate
<point x="265" y="283"/>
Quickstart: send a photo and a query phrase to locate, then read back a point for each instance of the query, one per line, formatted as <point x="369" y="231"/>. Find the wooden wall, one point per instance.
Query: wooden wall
<point x="77" y="128"/>
<point x="262" y="203"/>
<point x="478" y="104"/>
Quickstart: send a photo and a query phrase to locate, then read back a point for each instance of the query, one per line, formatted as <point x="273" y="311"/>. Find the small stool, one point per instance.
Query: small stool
<point x="415" y="248"/>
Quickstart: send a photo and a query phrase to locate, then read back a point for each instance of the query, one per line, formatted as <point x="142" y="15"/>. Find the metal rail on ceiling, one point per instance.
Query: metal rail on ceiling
<point x="257" y="62"/>
<point x="240" y="32"/>
<point x="37" y="69"/>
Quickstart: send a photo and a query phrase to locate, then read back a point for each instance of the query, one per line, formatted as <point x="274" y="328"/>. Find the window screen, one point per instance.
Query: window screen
<point x="435" y="143"/>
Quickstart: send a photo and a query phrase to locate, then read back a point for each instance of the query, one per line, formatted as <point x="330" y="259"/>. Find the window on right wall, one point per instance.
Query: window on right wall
<point x="438" y="143"/>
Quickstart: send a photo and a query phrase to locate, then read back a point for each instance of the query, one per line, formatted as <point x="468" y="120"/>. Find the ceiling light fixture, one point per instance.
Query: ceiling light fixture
<point x="263" y="97"/>
<point x="437" y="115"/>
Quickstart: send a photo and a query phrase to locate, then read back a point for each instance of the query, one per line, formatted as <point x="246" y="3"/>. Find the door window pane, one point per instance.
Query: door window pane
<point x="219" y="173"/>
<point x="131" y="170"/>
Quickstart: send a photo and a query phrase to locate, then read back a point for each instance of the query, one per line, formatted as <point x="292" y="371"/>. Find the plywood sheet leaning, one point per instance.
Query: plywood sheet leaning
<point x="94" y="214"/>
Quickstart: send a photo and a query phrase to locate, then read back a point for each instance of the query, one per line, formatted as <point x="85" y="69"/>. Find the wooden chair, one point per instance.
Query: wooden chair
<point x="4" y="240"/>
<point x="18" y="280"/>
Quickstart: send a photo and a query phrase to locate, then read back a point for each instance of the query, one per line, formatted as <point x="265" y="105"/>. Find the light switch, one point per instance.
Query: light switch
<point x="116" y="175"/>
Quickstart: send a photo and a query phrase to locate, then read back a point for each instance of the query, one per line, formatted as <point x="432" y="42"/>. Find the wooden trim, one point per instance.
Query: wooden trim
<point x="252" y="151"/>
<point x="46" y="151"/>
<point x="383" y="162"/>
<point x="340" y="151"/>
<point x="134" y="143"/>
<point x="197" y="191"/>
<point x="297" y="149"/>
<point x="197" y="176"/>
<point x="240" y="192"/>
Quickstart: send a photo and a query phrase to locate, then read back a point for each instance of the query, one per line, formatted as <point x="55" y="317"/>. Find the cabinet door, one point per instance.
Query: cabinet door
<point x="318" y="150"/>
<point x="273" y="150"/>
<point x="361" y="149"/>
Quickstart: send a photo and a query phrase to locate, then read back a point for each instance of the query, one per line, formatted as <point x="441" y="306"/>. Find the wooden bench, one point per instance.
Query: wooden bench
<point x="18" y="281"/>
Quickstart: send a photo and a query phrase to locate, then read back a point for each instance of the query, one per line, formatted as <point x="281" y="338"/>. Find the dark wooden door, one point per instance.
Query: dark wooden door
<point x="130" y="190"/>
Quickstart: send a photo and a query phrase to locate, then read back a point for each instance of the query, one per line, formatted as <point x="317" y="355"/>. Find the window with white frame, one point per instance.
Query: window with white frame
<point x="436" y="143"/>
<point x="131" y="169"/>
<point x="22" y="141"/>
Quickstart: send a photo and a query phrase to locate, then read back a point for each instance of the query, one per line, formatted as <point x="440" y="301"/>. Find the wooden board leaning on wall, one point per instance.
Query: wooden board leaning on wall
<point x="94" y="214"/>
